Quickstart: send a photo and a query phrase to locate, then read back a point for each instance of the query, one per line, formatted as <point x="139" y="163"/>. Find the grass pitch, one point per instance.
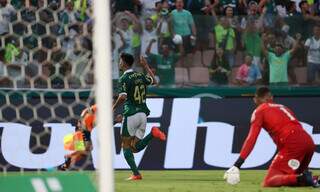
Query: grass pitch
<point x="177" y="181"/>
<point x="198" y="181"/>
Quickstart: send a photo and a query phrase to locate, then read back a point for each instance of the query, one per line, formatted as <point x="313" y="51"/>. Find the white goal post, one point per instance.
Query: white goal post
<point x="103" y="90"/>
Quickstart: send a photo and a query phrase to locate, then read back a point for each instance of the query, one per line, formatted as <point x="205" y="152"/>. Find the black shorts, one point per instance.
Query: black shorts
<point x="186" y="43"/>
<point x="187" y="46"/>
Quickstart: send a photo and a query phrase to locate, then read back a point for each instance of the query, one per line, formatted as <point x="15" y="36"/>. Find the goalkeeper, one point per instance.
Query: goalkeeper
<point x="80" y="141"/>
<point x="295" y="146"/>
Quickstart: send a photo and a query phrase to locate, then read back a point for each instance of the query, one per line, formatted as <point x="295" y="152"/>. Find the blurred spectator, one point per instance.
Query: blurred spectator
<point x="225" y="38"/>
<point x="308" y="19"/>
<point x="22" y="58"/>
<point x="11" y="52"/>
<point x="228" y="3"/>
<point x="68" y="15"/>
<point x="149" y="37"/>
<point x="81" y="8"/>
<point x="313" y="46"/>
<point x="201" y="10"/>
<point x="163" y="24"/>
<point x="7" y="11"/>
<point x="232" y="19"/>
<point x="252" y="42"/>
<point x="233" y="23"/>
<point x="69" y="42"/>
<point x="126" y="5"/>
<point x="270" y="43"/>
<point x="128" y="31"/>
<point x="292" y="8"/>
<point x="183" y="24"/>
<point x="248" y="73"/>
<point x="118" y="44"/>
<point x="295" y="19"/>
<point x="278" y="62"/>
<point x="219" y="70"/>
<point x="157" y="13"/>
<point x="281" y="9"/>
<point x="80" y="60"/>
<point x="252" y="16"/>
<point x="288" y="43"/>
<point x="148" y="7"/>
<point x="165" y="64"/>
<point x="269" y="9"/>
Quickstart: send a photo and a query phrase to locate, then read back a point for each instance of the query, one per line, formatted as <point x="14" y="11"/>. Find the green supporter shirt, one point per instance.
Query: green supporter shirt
<point x="252" y="43"/>
<point x="134" y="85"/>
<point x="219" y="76"/>
<point x="165" y="68"/>
<point x="278" y="67"/>
<point x="221" y="33"/>
<point x="135" y="41"/>
<point x="182" y="22"/>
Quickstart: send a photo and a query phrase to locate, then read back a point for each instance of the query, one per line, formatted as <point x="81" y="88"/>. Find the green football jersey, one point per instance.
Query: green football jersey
<point x="134" y="85"/>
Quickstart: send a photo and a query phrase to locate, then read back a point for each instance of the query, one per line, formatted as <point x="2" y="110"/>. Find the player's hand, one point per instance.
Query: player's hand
<point x="118" y="118"/>
<point x="232" y="175"/>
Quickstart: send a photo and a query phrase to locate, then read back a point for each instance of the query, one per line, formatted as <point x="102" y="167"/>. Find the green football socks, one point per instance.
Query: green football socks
<point x="144" y="142"/>
<point x="128" y="155"/>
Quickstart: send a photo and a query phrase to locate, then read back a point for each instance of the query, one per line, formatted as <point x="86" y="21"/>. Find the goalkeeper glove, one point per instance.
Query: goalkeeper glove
<point x="232" y="175"/>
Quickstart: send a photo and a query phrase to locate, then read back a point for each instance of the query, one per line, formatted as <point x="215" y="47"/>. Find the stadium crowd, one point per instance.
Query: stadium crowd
<point x="222" y="42"/>
<point x="48" y="43"/>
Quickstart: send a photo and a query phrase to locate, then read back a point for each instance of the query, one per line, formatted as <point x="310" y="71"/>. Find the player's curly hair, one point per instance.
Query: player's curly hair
<point x="127" y="58"/>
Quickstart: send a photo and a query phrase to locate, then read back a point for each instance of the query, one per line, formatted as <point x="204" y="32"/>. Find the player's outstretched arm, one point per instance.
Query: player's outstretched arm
<point x="120" y="100"/>
<point x="232" y="175"/>
<point x="146" y="67"/>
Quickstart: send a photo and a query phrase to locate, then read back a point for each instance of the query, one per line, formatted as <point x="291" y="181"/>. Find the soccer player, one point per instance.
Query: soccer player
<point x="295" y="146"/>
<point x="132" y="92"/>
<point x="83" y="134"/>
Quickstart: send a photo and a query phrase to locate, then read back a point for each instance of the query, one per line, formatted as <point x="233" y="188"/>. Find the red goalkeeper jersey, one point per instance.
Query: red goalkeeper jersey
<point x="278" y="120"/>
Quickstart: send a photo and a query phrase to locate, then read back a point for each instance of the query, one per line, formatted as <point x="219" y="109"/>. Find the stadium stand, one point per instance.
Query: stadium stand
<point x="48" y="43"/>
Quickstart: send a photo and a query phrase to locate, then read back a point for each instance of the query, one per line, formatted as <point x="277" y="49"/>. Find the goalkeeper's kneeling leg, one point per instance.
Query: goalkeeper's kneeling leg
<point x="276" y="178"/>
